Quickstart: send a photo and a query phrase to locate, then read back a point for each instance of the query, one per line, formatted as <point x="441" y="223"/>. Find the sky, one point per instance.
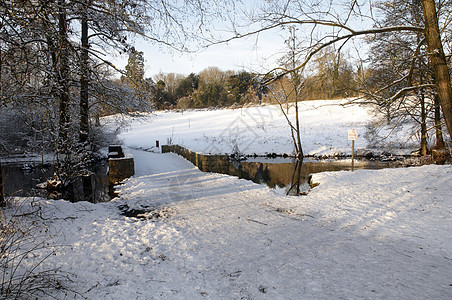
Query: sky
<point x="250" y="54"/>
<point x="255" y="54"/>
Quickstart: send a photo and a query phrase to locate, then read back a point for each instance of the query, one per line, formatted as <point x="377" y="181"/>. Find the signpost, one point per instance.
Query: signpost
<point x="352" y="136"/>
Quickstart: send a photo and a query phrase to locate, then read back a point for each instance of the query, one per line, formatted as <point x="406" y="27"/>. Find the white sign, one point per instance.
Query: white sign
<point x="352" y="134"/>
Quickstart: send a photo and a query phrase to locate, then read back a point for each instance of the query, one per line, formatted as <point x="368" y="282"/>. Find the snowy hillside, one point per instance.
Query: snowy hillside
<point x="264" y="129"/>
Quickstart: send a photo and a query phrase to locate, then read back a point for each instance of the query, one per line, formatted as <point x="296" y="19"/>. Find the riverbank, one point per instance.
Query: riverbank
<point x="263" y="130"/>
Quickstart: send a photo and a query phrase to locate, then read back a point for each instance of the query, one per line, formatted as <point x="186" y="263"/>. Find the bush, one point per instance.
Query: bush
<point x="24" y="247"/>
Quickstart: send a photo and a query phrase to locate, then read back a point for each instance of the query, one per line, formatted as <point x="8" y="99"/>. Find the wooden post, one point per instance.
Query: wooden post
<point x="352" y="136"/>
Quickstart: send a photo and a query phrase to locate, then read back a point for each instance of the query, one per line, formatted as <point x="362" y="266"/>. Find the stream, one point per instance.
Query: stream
<point x="21" y="179"/>
<point x="284" y="175"/>
<point x="293" y="177"/>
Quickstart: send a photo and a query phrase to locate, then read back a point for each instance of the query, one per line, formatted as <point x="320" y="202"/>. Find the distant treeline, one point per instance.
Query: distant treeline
<point x="213" y="87"/>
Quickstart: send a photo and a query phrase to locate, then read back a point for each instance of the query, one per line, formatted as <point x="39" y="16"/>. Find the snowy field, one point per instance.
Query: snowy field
<point x="370" y="234"/>
<point x="264" y="129"/>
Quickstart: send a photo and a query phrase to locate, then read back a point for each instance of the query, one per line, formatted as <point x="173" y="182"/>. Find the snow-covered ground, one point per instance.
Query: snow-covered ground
<point x="369" y="234"/>
<point x="264" y="129"/>
<point x="364" y="235"/>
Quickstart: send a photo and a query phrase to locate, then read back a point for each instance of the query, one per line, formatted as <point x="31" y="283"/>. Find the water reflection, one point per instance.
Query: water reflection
<point x="21" y="179"/>
<point x="289" y="177"/>
<point x="293" y="177"/>
<point x="296" y="182"/>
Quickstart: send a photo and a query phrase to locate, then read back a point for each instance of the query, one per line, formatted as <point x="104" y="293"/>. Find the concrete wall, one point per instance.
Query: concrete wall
<point x="273" y="174"/>
<point x="120" y="169"/>
<point x="206" y="163"/>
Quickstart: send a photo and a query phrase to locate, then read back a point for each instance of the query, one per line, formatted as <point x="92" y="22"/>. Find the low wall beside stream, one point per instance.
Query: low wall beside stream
<point x="206" y="163"/>
<point x="274" y="175"/>
<point x="119" y="166"/>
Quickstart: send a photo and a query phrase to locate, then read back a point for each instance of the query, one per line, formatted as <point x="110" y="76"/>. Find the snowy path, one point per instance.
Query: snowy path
<point x="364" y="235"/>
<point x="242" y="240"/>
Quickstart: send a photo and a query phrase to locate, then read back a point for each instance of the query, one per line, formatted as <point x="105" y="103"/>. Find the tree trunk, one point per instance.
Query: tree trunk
<point x="438" y="61"/>
<point x="297" y="122"/>
<point x="63" y="77"/>
<point x="439" y="133"/>
<point x="296" y="79"/>
<point x="424" y="149"/>
<point x="84" y="80"/>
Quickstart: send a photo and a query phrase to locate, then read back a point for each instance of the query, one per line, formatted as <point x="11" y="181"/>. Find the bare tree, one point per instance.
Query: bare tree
<point x="397" y="60"/>
<point x="292" y="93"/>
<point x="327" y="23"/>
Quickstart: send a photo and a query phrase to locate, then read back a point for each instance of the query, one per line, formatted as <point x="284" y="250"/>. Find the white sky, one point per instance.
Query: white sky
<point x="251" y="54"/>
<point x="256" y="53"/>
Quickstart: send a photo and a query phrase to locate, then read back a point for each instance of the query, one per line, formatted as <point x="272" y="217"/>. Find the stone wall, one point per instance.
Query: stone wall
<point x="273" y="174"/>
<point x="119" y="166"/>
<point x="120" y="169"/>
<point x="206" y="163"/>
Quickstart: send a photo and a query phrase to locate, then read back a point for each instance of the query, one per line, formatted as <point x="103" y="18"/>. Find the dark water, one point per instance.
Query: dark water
<point x="293" y="177"/>
<point x="20" y="179"/>
<point x="284" y="175"/>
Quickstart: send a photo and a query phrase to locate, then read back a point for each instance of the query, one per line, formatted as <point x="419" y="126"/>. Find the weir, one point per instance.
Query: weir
<point x="288" y="175"/>
<point x="119" y="166"/>
<point x="206" y="163"/>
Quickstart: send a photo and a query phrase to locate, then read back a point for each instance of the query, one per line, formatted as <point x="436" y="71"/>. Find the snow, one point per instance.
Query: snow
<point x="368" y="234"/>
<point x="264" y="129"/>
<point x="365" y="234"/>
